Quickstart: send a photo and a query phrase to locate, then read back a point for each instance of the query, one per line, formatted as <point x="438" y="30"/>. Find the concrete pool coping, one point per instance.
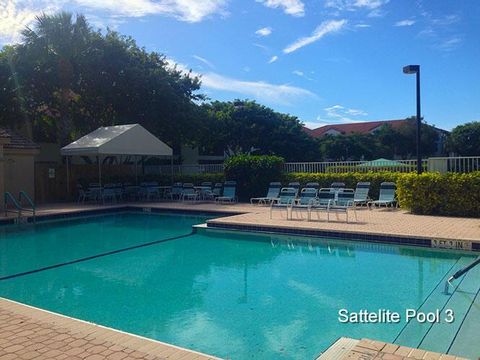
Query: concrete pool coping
<point x="386" y="226"/>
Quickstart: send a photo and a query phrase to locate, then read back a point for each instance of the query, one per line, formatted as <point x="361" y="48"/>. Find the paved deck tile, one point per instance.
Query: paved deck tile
<point x="30" y="333"/>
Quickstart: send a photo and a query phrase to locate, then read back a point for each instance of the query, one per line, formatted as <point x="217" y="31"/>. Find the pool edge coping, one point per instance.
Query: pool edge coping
<point x="420" y="241"/>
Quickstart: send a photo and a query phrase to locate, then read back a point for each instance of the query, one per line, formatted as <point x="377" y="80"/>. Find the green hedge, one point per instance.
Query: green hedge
<point x="350" y="179"/>
<point x="253" y="173"/>
<point x="451" y="194"/>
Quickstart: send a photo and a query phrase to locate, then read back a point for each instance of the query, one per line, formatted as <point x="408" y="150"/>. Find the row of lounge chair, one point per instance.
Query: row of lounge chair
<point x="147" y="191"/>
<point x="336" y="199"/>
<point x="220" y="193"/>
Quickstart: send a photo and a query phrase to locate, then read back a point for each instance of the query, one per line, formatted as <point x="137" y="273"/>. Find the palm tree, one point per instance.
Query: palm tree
<point x="53" y="43"/>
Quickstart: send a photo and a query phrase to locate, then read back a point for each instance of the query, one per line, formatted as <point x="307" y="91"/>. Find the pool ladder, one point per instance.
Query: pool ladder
<point x="17" y="205"/>
<point x="460" y="273"/>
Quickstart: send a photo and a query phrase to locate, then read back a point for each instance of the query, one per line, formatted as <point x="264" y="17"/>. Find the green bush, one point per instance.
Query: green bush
<point x="253" y="173"/>
<point x="451" y="194"/>
<point x="349" y="178"/>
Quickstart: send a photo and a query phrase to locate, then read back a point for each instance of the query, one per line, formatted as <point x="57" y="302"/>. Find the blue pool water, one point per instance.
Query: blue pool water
<point x="241" y="296"/>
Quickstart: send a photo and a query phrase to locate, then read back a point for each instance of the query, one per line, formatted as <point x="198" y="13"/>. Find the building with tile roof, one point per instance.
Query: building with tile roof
<point x="350" y="128"/>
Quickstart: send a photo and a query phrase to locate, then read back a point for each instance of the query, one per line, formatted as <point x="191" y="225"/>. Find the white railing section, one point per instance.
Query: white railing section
<point x="356" y="166"/>
<point x="440" y="164"/>
<point x="461" y="164"/>
<point x="184" y="169"/>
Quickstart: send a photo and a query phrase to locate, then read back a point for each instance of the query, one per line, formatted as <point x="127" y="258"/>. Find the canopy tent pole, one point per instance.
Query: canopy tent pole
<point x="171" y="166"/>
<point x="99" y="170"/>
<point x="135" y="158"/>
<point x="68" y="177"/>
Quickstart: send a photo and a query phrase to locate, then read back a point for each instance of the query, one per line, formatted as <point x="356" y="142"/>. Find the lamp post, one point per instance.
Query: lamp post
<point x="415" y="69"/>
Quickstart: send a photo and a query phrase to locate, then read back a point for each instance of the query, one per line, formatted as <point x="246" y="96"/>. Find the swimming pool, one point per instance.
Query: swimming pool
<point x="236" y="295"/>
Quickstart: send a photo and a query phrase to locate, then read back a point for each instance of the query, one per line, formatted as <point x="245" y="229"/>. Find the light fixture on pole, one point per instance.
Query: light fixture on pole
<point x="415" y="69"/>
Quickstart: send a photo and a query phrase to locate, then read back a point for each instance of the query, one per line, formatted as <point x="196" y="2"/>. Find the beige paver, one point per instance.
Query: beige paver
<point x="378" y="221"/>
<point x="46" y="335"/>
<point x="371" y="349"/>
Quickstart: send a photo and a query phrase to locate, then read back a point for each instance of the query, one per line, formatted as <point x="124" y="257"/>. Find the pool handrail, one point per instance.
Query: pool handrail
<point x="17" y="204"/>
<point x="8" y="197"/>
<point x="460" y="273"/>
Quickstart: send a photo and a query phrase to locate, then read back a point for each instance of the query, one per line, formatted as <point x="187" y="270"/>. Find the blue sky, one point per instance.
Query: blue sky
<point x="324" y="61"/>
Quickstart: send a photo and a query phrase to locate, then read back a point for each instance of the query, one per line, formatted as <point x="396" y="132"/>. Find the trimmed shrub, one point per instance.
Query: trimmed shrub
<point x="253" y="173"/>
<point x="349" y="178"/>
<point x="451" y="194"/>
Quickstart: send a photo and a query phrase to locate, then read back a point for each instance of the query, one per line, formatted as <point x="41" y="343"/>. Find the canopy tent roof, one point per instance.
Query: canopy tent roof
<point x="382" y="162"/>
<point x="132" y="139"/>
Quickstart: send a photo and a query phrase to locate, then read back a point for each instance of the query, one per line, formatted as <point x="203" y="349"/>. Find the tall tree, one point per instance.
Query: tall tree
<point x="66" y="79"/>
<point x="465" y="139"/>
<point x="246" y="126"/>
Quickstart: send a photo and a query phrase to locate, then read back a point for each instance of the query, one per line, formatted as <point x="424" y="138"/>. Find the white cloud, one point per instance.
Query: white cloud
<point x="263" y="47"/>
<point x="205" y="61"/>
<point x="343" y="114"/>
<point x="282" y="94"/>
<point x="442" y="32"/>
<point x="352" y="5"/>
<point x="290" y="7"/>
<point x="263" y="91"/>
<point x="370" y="4"/>
<point x="273" y="59"/>
<point x="330" y="26"/>
<point x="406" y="22"/>
<point x="15" y="15"/>
<point x="184" y="10"/>
<point x="449" y="44"/>
<point x="314" y="124"/>
<point x="301" y="74"/>
<point x="362" y="25"/>
<point x="264" y="31"/>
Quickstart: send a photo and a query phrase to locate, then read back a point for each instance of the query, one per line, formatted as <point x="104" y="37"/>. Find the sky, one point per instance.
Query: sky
<point x="324" y="61"/>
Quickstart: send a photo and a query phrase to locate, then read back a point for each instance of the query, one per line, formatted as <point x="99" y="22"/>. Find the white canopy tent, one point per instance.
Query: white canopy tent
<point x="132" y="139"/>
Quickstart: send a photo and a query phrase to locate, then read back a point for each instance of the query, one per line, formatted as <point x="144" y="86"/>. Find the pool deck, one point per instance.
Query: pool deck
<point x="31" y="333"/>
<point x="366" y="349"/>
<point x="381" y="222"/>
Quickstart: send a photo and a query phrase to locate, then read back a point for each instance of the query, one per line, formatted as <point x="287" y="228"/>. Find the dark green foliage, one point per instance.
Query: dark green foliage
<point x="386" y="142"/>
<point x="245" y="126"/>
<point x="464" y="139"/>
<point x="65" y="79"/>
<point x="253" y="173"/>
<point x="350" y="179"/>
<point x="448" y="194"/>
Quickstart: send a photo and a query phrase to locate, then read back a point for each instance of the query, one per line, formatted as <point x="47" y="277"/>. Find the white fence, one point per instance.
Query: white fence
<point x="440" y="164"/>
<point x="454" y="164"/>
<point x="184" y="169"/>
<point x="357" y="166"/>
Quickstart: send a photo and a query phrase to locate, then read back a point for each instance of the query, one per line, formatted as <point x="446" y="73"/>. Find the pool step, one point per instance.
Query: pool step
<point x="460" y="302"/>
<point x="469" y="331"/>
<point x="339" y="349"/>
<point x="413" y="333"/>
